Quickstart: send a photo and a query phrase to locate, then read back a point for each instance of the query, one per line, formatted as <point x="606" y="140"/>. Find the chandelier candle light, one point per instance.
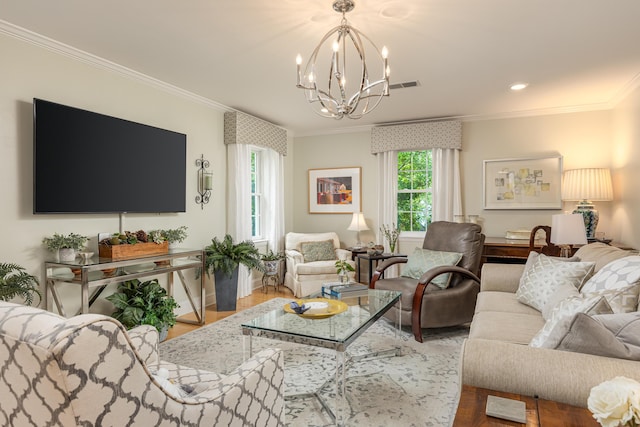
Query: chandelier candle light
<point x="346" y="67"/>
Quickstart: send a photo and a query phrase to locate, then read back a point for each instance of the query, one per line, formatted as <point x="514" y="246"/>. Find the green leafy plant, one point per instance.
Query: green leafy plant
<point x="175" y="235"/>
<point x="15" y="281"/>
<point x="226" y="256"/>
<point x="61" y="241"/>
<point x="343" y="267"/>
<point x="272" y="256"/>
<point x="143" y="303"/>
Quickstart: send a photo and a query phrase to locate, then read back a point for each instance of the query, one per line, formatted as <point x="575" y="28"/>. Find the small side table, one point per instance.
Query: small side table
<point x="373" y="262"/>
<point x="270" y="277"/>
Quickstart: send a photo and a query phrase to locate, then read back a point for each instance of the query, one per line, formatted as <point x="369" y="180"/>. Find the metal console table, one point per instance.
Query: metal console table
<point x="95" y="274"/>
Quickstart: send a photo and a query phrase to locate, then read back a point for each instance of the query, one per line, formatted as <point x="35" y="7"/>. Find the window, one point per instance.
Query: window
<point x="415" y="197"/>
<point x="256" y="194"/>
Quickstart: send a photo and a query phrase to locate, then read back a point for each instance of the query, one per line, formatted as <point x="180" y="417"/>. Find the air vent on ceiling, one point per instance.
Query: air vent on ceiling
<point x="404" y="85"/>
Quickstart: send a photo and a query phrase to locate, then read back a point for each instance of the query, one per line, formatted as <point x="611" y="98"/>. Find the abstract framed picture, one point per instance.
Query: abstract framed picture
<point x="530" y="183"/>
<point x="335" y="190"/>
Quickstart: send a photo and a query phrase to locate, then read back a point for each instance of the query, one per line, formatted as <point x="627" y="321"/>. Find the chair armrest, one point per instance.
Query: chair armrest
<point x="431" y="274"/>
<point x="501" y="277"/>
<point x="144" y="340"/>
<point x="294" y="255"/>
<point x="343" y="254"/>
<point x="383" y="266"/>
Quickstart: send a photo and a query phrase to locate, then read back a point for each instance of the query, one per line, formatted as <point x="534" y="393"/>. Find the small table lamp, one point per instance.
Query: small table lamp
<point x="358" y="224"/>
<point x="587" y="186"/>
<point x="567" y="230"/>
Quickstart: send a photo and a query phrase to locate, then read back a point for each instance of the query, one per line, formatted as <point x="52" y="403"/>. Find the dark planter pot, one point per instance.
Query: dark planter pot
<point x="226" y="290"/>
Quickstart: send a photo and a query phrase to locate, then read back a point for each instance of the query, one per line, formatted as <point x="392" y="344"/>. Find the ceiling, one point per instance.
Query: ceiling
<point x="576" y="55"/>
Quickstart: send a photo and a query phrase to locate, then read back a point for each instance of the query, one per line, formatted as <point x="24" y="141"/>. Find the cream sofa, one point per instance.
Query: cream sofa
<point x="305" y="277"/>
<point x="497" y="355"/>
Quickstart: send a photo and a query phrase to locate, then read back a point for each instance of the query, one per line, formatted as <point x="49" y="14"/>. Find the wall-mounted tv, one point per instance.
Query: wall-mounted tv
<point x="85" y="162"/>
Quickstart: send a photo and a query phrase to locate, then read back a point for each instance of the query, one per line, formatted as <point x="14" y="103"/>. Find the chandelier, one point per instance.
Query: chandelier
<point x="352" y="88"/>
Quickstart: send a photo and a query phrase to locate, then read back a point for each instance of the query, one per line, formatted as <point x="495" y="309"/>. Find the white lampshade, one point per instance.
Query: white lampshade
<point x="357" y="222"/>
<point x="592" y="184"/>
<point x="568" y="229"/>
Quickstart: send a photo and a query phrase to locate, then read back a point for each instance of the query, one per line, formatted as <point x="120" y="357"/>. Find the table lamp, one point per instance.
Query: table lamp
<point x="567" y="230"/>
<point x="587" y="186"/>
<point x="358" y="224"/>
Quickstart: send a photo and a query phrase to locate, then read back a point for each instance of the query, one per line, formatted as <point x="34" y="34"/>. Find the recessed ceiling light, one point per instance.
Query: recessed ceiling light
<point x="519" y="86"/>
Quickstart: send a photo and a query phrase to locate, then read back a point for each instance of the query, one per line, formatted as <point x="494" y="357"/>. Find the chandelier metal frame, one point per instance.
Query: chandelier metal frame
<point x="334" y="100"/>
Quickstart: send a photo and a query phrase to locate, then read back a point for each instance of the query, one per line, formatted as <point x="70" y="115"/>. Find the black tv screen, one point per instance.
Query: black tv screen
<point x="85" y="162"/>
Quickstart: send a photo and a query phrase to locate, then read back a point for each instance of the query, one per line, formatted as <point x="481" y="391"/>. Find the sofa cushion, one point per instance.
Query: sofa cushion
<point x="423" y="260"/>
<point x="617" y="274"/>
<point x="566" y="309"/>
<point x="544" y="276"/>
<point x="562" y="292"/>
<point x="318" y="251"/>
<point x="517" y="328"/>
<point x="502" y="301"/>
<point x="608" y="335"/>
<point x="601" y="253"/>
<point x="317" y="267"/>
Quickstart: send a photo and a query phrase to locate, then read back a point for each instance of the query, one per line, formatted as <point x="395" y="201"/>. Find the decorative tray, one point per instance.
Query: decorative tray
<point x="332" y="308"/>
<point x="518" y="234"/>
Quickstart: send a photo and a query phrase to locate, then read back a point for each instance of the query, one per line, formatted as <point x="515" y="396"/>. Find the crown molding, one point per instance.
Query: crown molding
<point x="44" y="42"/>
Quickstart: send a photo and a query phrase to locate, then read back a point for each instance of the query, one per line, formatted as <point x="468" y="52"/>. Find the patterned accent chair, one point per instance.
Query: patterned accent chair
<point x="89" y="371"/>
<point x="305" y="275"/>
<point x="425" y="305"/>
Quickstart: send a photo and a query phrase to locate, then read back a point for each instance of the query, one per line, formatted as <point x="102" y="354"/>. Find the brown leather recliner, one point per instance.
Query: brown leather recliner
<point x="424" y="305"/>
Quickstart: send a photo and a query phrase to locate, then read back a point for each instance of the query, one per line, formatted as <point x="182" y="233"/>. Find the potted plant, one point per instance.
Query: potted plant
<point x="271" y="260"/>
<point x="65" y="245"/>
<point x="175" y="235"/>
<point x="144" y="303"/>
<point x="391" y="234"/>
<point x="14" y="281"/>
<point x="222" y="258"/>
<point x="343" y="268"/>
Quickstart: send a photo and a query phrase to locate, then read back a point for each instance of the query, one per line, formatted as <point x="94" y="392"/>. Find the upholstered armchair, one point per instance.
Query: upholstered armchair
<point x="311" y="259"/>
<point x="88" y="370"/>
<point x="425" y="304"/>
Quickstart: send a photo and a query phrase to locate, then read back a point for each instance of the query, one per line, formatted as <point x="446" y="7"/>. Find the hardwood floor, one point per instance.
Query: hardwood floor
<point x="211" y="315"/>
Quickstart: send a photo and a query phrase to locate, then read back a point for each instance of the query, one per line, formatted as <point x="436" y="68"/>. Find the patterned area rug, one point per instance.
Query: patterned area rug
<point x="417" y="388"/>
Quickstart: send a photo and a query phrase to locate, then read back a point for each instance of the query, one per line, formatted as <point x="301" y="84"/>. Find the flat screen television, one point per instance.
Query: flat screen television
<point x="85" y="162"/>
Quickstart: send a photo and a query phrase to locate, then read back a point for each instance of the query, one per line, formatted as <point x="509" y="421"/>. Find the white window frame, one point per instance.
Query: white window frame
<point x="259" y="194"/>
<point x="428" y="190"/>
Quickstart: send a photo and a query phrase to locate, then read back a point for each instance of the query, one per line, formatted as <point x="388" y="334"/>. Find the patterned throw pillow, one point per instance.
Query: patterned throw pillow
<point x="423" y="260"/>
<point x="564" y="312"/>
<point x="615" y="275"/>
<point x="621" y="300"/>
<point x="544" y="276"/>
<point x="318" y="251"/>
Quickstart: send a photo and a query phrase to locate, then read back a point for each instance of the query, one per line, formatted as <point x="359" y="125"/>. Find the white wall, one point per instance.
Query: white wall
<point x="583" y="139"/>
<point x="626" y="170"/>
<point x="29" y="71"/>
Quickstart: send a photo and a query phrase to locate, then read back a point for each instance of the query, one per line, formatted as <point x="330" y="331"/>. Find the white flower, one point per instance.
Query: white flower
<point x="616" y="402"/>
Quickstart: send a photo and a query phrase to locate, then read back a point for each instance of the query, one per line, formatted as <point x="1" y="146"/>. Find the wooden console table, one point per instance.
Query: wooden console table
<point x="540" y="412"/>
<point x="499" y="249"/>
<point x="95" y="274"/>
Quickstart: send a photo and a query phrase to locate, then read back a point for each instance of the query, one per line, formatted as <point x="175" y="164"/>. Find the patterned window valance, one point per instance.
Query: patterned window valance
<point x="241" y="128"/>
<point x="417" y="136"/>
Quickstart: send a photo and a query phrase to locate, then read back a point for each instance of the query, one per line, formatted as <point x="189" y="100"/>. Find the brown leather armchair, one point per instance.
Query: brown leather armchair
<point x="424" y="305"/>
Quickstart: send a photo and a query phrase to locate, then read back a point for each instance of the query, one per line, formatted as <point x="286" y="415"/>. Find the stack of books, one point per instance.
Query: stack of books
<point x="342" y="290"/>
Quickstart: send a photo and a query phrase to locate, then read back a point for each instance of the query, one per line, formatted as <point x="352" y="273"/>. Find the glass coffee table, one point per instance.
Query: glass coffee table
<point x="336" y="332"/>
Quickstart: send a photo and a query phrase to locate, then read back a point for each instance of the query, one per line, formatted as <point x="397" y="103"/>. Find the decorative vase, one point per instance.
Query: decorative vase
<point x="344" y="277"/>
<point x="226" y="290"/>
<point x="271" y="267"/>
<point x="66" y="254"/>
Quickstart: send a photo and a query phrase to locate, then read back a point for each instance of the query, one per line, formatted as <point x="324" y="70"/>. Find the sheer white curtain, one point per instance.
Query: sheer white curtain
<point x="273" y="191"/>
<point x="239" y="206"/>
<point x="388" y="197"/>
<point x="446" y="184"/>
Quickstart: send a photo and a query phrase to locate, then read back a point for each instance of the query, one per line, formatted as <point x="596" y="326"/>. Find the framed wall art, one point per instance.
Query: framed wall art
<point x="335" y="190"/>
<point x="531" y="183"/>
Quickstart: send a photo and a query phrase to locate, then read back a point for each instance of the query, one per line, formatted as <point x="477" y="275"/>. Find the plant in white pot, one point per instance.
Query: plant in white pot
<point x="65" y="245"/>
<point x="171" y="235"/>
<point x="271" y="260"/>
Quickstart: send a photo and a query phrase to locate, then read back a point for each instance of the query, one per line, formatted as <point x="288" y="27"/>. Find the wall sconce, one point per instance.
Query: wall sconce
<point x="205" y="181"/>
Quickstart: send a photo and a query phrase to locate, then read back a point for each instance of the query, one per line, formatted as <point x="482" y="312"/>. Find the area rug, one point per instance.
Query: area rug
<point x="417" y="388"/>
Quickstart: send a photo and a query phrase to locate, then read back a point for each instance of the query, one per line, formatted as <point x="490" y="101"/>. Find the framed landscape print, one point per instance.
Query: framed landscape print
<point x="335" y="190"/>
<point x="532" y="183"/>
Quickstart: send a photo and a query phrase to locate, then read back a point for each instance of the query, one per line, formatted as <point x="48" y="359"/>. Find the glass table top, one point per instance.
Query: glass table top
<point x="341" y="328"/>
